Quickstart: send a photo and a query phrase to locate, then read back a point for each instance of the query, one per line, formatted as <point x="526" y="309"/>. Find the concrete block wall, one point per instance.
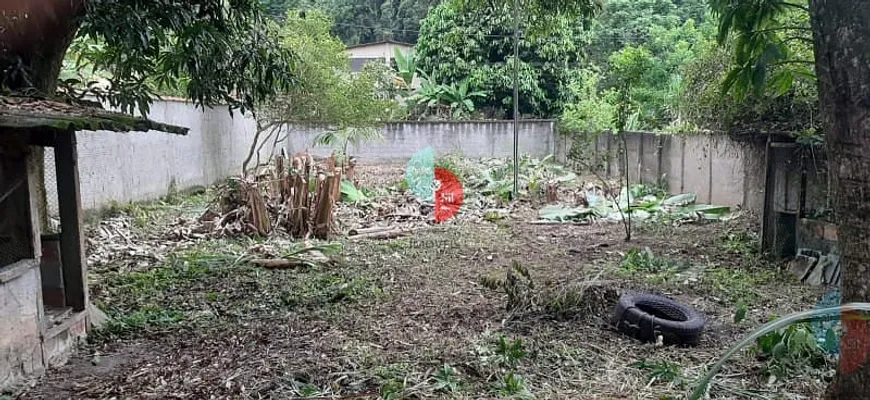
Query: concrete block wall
<point x="469" y="138"/>
<point x="21" y="314"/>
<point x="141" y="166"/>
<point x="718" y="169"/>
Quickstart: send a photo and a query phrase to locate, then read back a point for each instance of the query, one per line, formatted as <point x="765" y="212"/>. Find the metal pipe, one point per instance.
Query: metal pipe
<point x="516" y="96"/>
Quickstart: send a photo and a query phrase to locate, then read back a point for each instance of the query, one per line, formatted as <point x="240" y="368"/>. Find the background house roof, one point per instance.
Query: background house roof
<point x="381" y="42"/>
<point x="35" y="113"/>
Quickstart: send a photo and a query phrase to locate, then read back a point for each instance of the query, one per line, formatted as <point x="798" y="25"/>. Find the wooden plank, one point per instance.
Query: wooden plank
<point x="71" y="235"/>
<point x="43" y="138"/>
<point x="767" y="218"/>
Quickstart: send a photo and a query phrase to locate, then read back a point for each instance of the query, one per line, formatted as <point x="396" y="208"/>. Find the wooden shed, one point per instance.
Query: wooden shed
<point x="44" y="306"/>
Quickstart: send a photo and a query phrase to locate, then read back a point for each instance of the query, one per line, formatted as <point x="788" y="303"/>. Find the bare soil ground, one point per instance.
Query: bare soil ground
<point x="191" y="322"/>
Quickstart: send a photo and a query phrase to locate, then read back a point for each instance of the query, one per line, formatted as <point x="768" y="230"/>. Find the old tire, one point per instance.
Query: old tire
<point x="645" y="317"/>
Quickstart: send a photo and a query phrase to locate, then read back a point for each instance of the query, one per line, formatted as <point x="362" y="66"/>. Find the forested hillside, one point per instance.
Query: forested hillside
<point x="364" y="21"/>
<point x="660" y="56"/>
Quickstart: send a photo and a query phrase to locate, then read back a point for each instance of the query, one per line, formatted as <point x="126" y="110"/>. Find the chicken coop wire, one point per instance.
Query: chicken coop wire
<point x="50" y="208"/>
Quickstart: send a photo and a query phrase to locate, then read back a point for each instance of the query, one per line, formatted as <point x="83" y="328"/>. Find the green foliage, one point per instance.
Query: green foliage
<point x="393" y="379"/>
<point x="462" y="40"/>
<point x="367" y="21"/>
<point x="766" y="34"/>
<point x="660" y="371"/>
<point x="742" y="242"/>
<point x="734" y="285"/>
<point x="706" y="104"/>
<point x="740" y="312"/>
<point x="629" y="22"/>
<point x="148" y="317"/>
<point x="351" y="194"/>
<point x="494" y="177"/>
<point x="513" y="386"/>
<point x="763" y="76"/>
<point x="215" y="51"/>
<point x="447" y="379"/>
<point x="594" y="111"/>
<point x="349" y="106"/>
<point x="643" y="260"/>
<point x="343" y="138"/>
<point x="501" y="352"/>
<point x="790" y="350"/>
<point x="641" y="48"/>
<point x="776" y="325"/>
<point x="407" y="66"/>
<point x="510" y="352"/>
<point x="631" y="67"/>
<point x="363" y="21"/>
<point x="326" y="289"/>
<point x="187" y="266"/>
<point x="454" y="100"/>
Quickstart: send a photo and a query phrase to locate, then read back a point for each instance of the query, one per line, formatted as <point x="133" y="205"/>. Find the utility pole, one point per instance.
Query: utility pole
<point x="516" y="97"/>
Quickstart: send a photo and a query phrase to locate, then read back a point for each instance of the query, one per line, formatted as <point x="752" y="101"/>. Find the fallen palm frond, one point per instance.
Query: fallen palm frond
<point x="306" y="256"/>
<point x="641" y="206"/>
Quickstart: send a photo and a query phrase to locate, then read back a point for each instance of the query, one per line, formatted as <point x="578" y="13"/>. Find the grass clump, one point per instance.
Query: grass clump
<point x="501" y="351"/>
<point x="447" y="380"/>
<point x="524" y="297"/>
<point x="661" y="372"/>
<point x="643" y="264"/>
<point x="149" y="317"/>
<point x="393" y="380"/>
<point x="327" y="288"/>
<point x="735" y="285"/>
<point x="644" y="261"/>
<point x="513" y="386"/>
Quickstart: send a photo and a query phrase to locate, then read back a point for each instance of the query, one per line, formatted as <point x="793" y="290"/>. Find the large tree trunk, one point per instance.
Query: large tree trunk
<point x="842" y="48"/>
<point x="34" y="37"/>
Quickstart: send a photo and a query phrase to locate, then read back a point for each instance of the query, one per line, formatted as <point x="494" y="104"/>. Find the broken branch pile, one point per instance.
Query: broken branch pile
<point x="294" y="198"/>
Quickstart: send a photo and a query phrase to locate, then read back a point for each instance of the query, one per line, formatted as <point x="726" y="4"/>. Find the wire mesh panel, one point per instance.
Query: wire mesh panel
<point x="15" y="224"/>
<point x="51" y="219"/>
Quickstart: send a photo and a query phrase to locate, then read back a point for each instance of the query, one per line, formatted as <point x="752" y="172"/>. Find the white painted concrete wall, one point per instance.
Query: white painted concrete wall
<point x="717" y="168"/>
<point x="141" y="166"/>
<point x="20" y="331"/>
<point x="469" y="138"/>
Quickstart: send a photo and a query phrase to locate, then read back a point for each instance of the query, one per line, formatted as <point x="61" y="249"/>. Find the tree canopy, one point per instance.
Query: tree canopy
<point x="657" y="39"/>
<point x="459" y="41"/>
<point x="364" y="21"/>
<point x="327" y="93"/>
<point x="224" y="52"/>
